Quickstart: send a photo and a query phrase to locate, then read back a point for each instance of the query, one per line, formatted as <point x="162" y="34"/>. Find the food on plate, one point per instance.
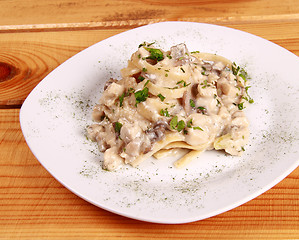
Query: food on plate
<point x="171" y="100"/>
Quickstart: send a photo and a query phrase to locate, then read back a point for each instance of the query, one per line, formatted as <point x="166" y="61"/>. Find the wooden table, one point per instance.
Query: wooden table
<point x="37" y="36"/>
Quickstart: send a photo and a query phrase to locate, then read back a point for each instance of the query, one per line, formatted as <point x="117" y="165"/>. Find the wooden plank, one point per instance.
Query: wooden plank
<point x="31" y="56"/>
<point x="136" y="11"/>
<point x="33" y="205"/>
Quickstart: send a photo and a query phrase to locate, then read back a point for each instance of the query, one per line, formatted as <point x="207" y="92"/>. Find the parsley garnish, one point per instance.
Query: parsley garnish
<point x="156" y="54"/>
<point x="184" y="83"/>
<point x="235" y="69"/>
<point x="144" y="69"/>
<point x="141" y="78"/>
<point x="141" y="95"/>
<point x="117" y="127"/>
<point x="164" y="112"/>
<point x="121" y="99"/>
<point x="181" y="125"/>
<point x="161" y="97"/>
<point x="192" y="104"/>
<point x="241" y="106"/>
<point x="189" y="123"/>
<point x="198" y="128"/>
<point x="174" y="122"/>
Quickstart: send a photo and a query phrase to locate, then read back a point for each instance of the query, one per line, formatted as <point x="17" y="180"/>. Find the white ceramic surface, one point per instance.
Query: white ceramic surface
<point x="55" y="114"/>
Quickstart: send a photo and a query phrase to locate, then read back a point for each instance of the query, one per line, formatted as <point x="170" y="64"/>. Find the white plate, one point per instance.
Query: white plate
<point x="55" y="114"/>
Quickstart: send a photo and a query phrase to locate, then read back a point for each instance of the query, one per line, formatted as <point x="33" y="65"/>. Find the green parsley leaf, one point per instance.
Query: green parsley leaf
<point x="181" y="125"/>
<point x="117" y="127"/>
<point x="235" y="69"/>
<point x="130" y="90"/>
<point x="121" y="99"/>
<point x="183" y="82"/>
<point x="141" y="95"/>
<point x="174" y="122"/>
<point x="192" y="104"/>
<point x="156" y="54"/>
<point x="146" y="83"/>
<point x="164" y="112"/>
<point x="189" y="123"/>
<point x="142" y="45"/>
<point x="141" y="78"/>
<point x="241" y="106"/>
<point x="161" y="97"/>
<point x="144" y="69"/>
<point x="243" y="77"/>
<point x="198" y="128"/>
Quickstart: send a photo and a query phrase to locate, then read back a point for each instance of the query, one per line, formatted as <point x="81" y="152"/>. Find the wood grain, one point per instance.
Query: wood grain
<point x="129" y="11"/>
<point x="33" y="203"/>
<point x="38" y="53"/>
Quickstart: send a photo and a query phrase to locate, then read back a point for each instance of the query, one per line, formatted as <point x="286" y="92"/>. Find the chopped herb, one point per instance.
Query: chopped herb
<point x="243" y="77"/>
<point x="141" y="78"/>
<point x="146" y="83"/>
<point x="117" y="127"/>
<point x="121" y="99"/>
<point x="170" y="57"/>
<point x="243" y="149"/>
<point x="202" y="108"/>
<point x="192" y="104"/>
<point x="181" y="125"/>
<point x="235" y="69"/>
<point x="195" y="52"/>
<point x="161" y="97"/>
<point x="198" y="128"/>
<point x="141" y="95"/>
<point x="181" y="58"/>
<point x="164" y="112"/>
<point x="246" y="88"/>
<point x="130" y="90"/>
<point x="144" y="69"/>
<point x="156" y="54"/>
<point x="189" y="123"/>
<point x="241" y="106"/>
<point x="205" y="84"/>
<point x="142" y="45"/>
<point x="150" y="44"/>
<point x="174" y="122"/>
<point x="184" y="83"/>
<point x="166" y="75"/>
<point x="250" y="100"/>
<point x="183" y="70"/>
<point x="139" y="55"/>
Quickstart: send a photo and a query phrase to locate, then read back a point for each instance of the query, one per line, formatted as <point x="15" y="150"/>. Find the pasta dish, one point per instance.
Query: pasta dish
<point x="171" y="100"/>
